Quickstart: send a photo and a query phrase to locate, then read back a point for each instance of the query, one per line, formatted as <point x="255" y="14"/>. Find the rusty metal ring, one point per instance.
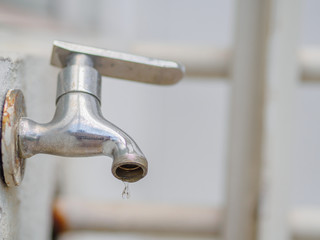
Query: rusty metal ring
<point x="12" y="165"/>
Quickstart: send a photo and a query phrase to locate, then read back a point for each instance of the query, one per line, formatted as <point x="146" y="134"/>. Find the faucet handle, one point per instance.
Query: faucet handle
<point x="120" y="65"/>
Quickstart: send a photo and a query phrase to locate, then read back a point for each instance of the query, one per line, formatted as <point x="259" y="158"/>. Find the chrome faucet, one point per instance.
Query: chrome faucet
<point x="78" y="128"/>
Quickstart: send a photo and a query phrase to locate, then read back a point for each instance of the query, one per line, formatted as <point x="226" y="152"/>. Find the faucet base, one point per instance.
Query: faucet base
<point x="12" y="165"/>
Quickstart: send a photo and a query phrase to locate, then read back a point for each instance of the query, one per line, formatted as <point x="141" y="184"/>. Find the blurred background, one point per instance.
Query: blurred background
<point x="182" y="129"/>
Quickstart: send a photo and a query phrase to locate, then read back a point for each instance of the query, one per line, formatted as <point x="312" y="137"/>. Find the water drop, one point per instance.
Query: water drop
<point x="126" y="191"/>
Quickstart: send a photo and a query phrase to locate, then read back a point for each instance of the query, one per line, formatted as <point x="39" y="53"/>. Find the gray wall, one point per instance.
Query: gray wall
<point x="25" y="210"/>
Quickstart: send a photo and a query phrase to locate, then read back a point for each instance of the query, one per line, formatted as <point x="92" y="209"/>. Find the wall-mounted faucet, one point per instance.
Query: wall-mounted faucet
<point x="78" y="128"/>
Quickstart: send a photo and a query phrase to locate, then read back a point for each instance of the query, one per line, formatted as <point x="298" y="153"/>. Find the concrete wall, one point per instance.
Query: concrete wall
<point x="25" y="211"/>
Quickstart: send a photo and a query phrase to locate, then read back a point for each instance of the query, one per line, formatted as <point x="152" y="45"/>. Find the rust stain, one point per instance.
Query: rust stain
<point x="12" y="164"/>
<point x="6" y="119"/>
<point x="8" y="109"/>
<point x="59" y="219"/>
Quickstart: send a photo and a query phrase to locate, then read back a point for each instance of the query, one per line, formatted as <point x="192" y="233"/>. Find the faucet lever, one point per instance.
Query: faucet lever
<point x="120" y="65"/>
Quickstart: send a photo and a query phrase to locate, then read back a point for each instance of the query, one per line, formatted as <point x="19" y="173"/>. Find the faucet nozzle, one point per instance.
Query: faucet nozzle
<point x="130" y="167"/>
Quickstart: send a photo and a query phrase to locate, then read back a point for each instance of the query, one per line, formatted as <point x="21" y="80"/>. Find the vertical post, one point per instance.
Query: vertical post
<point x="246" y="120"/>
<point x="282" y="75"/>
<point x="264" y="78"/>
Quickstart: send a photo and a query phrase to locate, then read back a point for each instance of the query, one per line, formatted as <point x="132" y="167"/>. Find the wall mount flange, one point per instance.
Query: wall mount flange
<point x="12" y="165"/>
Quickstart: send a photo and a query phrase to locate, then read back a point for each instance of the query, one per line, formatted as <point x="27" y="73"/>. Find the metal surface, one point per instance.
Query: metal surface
<point x="79" y="76"/>
<point x="78" y="128"/>
<point x="121" y="65"/>
<point x="13" y="165"/>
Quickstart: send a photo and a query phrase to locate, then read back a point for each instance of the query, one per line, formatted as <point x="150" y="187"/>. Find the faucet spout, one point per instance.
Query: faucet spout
<point x="78" y="128"/>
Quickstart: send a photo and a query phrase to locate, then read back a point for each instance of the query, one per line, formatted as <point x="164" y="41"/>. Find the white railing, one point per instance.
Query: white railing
<point x="264" y="67"/>
<point x="80" y="215"/>
<point x="213" y="62"/>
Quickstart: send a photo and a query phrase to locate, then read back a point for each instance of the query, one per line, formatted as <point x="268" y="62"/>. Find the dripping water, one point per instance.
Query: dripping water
<point x="126" y="191"/>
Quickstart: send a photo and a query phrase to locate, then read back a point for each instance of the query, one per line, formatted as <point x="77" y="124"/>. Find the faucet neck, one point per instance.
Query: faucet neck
<point x="80" y="59"/>
<point x="79" y="76"/>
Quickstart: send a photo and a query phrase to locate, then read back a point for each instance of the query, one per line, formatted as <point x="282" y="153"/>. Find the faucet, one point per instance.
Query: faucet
<point x="78" y="128"/>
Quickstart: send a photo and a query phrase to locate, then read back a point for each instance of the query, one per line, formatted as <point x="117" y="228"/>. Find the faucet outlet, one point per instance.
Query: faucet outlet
<point x="78" y="128"/>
